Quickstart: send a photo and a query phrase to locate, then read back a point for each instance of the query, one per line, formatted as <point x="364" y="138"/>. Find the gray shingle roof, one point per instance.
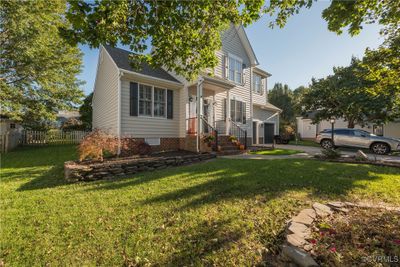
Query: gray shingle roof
<point x="121" y="58"/>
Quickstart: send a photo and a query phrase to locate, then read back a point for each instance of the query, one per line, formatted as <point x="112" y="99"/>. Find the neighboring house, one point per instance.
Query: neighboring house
<point x="308" y="130"/>
<point x="162" y="108"/>
<point x="64" y="115"/>
<point x="8" y="125"/>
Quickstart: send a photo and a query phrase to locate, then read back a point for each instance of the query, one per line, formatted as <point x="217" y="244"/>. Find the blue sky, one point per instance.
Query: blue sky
<point x="293" y="55"/>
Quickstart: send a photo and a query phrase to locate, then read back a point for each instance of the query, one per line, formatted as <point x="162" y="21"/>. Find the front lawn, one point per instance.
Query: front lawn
<point x="277" y="151"/>
<point x="305" y="143"/>
<point x="224" y="212"/>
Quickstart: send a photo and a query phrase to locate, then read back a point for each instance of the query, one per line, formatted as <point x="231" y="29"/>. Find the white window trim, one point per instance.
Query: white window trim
<point x="235" y="72"/>
<point x="238" y="99"/>
<point x="260" y="92"/>
<point x="152" y="102"/>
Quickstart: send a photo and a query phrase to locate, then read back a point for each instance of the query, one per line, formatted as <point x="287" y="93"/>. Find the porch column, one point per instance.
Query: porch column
<point x="228" y="113"/>
<point x="199" y="111"/>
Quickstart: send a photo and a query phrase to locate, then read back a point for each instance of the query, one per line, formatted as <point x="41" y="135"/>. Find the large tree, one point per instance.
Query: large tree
<point x="351" y="95"/>
<point x="281" y="96"/>
<point x="38" y="67"/>
<point x="185" y="34"/>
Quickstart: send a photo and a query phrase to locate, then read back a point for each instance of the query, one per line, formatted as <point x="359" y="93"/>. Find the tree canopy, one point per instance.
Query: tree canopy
<point x="281" y="96"/>
<point x="351" y="95"/>
<point x="86" y="111"/>
<point x="184" y="35"/>
<point x="38" y="67"/>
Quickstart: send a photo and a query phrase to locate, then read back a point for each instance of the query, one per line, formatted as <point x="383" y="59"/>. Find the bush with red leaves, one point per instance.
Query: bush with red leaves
<point x="94" y="145"/>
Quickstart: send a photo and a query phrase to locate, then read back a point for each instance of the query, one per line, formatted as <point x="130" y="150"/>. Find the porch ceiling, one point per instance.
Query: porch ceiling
<point x="215" y="84"/>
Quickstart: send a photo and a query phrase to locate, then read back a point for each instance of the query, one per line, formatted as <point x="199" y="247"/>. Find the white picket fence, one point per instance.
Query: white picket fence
<point x="52" y="137"/>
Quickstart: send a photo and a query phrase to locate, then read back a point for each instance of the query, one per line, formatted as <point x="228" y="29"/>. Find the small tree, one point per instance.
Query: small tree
<point x="86" y="111"/>
<point x="94" y="145"/>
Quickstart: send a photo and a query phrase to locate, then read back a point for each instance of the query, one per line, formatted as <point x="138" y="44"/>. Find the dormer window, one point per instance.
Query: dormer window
<point x="257" y="86"/>
<point x="234" y="68"/>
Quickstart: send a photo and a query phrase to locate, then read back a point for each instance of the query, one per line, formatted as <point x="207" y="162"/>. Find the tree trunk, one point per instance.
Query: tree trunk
<point x="350" y="124"/>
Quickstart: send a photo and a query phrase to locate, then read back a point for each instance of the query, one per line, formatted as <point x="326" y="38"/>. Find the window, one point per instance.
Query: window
<point x="159" y="102"/>
<point x="361" y="133"/>
<point x="257" y="83"/>
<point x="344" y="132"/>
<point x="238" y="111"/>
<point x="12" y="125"/>
<point x="145" y="100"/>
<point x="235" y="69"/>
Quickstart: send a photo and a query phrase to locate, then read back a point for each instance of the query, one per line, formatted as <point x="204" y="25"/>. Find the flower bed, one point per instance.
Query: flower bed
<point x="343" y="234"/>
<point x="75" y="171"/>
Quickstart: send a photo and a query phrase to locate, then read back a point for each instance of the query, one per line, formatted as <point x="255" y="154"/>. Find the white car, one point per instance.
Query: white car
<point x="358" y="139"/>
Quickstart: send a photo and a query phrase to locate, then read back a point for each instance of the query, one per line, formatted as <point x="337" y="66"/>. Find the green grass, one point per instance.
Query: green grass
<point x="277" y="151"/>
<point x="224" y="212"/>
<point x="304" y="143"/>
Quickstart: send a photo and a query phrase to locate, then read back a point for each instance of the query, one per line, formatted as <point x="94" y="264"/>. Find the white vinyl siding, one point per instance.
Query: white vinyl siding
<point x="150" y="127"/>
<point x="105" y="98"/>
<point x="268" y="116"/>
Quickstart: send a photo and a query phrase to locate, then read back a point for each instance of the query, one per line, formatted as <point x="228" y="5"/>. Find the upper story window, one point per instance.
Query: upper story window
<point x="235" y="69"/>
<point x="257" y="87"/>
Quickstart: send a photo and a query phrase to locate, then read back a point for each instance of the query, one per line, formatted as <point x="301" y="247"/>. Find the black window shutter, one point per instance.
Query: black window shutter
<point x="224" y="108"/>
<point x="170" y="104"/>
<point x="244" y="112"/>
<point x="133" y="99"/>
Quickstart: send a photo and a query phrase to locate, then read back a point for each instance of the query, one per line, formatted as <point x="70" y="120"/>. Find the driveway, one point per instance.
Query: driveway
<point x="310" y="152"/>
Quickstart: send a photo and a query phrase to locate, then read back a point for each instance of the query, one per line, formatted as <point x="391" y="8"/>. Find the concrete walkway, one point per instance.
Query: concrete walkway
<point x="309" y="152"/>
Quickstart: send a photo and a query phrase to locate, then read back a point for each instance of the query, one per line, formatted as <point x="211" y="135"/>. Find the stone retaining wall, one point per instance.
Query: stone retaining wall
<point x="75" y="171"/>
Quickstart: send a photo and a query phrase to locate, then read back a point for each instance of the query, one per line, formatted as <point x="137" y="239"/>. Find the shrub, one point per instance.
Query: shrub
<point x="330" y="153"/>
<point x="144" y="149"/>
<point x="209" y="139"/>
<point x="94" y="145"/>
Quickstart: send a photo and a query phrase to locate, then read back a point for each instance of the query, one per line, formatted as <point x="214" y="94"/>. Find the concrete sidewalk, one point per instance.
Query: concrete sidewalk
<point x="310" y="152"/>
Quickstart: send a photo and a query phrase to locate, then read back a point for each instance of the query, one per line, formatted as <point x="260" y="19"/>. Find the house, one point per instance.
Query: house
<point x="7" y="125"/>
<point x="308" y="130"/>
<point x="167" y="111"/>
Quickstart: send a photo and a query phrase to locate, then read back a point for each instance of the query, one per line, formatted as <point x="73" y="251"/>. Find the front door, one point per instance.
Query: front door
<point x="269" y="133"/>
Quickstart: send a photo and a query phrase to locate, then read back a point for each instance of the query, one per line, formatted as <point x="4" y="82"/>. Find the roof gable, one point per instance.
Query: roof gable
<point x="121" y="59"/>
<point x="234" y="40"/>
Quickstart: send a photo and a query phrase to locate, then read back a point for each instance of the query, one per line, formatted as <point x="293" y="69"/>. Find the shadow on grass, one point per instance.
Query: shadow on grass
<point x="225" y="179"/>
<point x="42" y="166"/>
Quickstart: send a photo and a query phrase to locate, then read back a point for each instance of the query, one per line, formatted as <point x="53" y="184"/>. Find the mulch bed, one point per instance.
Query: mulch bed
<point x="356" y="161"/>
<point x="361" y="237"/>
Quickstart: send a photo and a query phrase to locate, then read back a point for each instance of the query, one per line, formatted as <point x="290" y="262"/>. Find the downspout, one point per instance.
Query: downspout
<point x="120" y="74"/>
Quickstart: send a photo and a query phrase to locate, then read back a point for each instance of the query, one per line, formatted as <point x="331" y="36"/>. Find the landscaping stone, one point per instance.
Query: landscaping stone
<point x="296" y="240"/>
<point x="361" y="155"/>
<point x="322" y="210"/>
<point x="299" y="229"/>
<point x="299" y="256"/>
<point x="77" y="171"/>
<point x="310" y="212"/>
<point x="303" y="218"/>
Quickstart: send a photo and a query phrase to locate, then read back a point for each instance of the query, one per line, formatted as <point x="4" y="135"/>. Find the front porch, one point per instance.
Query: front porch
<point x="208" y="113"/>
